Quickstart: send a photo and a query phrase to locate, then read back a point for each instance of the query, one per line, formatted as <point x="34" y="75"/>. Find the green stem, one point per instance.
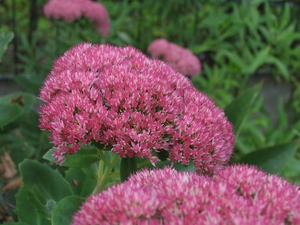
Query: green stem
<point x="103" y="157"/>
<point x="103" y="176"/>
<point x="114" y="175"/>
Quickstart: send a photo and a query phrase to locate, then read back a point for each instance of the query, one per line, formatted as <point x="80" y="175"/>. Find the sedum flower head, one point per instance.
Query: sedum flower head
<point x="240" y="195"/>
<point x="70" y="10"/>
<point x="180" y="58"/>
<point x="135" y="105"/>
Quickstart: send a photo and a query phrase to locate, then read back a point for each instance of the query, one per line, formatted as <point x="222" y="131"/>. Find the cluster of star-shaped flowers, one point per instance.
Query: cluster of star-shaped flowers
<point x="236" y="195"/>
<point x="71" y="10"/>
<point x="182" y="59"/>
<point x="135" y="105"/>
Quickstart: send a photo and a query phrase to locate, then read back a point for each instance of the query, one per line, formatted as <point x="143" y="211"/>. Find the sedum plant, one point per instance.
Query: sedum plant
<point x="134" y="106"/>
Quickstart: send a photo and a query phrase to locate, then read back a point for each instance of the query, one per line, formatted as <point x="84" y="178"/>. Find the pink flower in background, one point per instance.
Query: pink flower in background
<point x="188" y="64"/>
<point x="97" y="13"/>
<point x="240" y="195"/>
<point x="180" y="58"/>
<point x="70" y="10"/>
<point x="134" y="105"/>
<point x="172" y="55"/>
<point x="158" y="47"/>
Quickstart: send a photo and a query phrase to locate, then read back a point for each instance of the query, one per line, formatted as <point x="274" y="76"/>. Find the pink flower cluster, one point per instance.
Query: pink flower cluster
<point x="71" y="10"/>
<point x="180" y="58"/>
<point x="239" y="195"/>
<point x="135" y="105"/>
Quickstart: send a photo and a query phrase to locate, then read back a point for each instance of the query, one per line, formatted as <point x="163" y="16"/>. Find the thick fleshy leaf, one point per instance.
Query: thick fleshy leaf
<point x="9" y="113"/>
<point x="64" y="210"/>
<point x="238" y="109"/>
<point x="49" y="182"/>
<point x="27" y="211"/>
<point x="128" y="166"/>
<point x="188" y="168"/>
<point x="43" y="187"/>
<point x="81" y="184"/>
<point x="49" y="155"/>
<point x="91" y="171"/>
<point x="272" y="159"/>
<point x="86" y="156"/>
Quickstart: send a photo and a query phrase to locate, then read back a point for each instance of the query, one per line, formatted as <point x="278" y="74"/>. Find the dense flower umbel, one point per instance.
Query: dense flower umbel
<point x="180" y="58"/>
<point x="239" y="195"/>
<point x="70" y="10"/>
<point x="139" y="106"/>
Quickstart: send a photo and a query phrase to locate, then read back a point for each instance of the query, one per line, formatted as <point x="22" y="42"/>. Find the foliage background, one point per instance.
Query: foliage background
<point x="246" y="48"/>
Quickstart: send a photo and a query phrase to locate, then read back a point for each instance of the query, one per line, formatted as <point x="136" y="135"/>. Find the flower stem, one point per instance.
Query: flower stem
<point x="104" y="174"/>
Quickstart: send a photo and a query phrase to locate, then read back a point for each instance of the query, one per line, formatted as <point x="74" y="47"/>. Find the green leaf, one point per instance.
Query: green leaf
<point x="259" y="59"/>
<point x="238" y="109"/>
<point x="292" y="168"/>
<point x="4" y="41"/>
<point x="232" y="56"/>
<point x="91" y="171"/>
<point x="42" y="188"/>
<point x="287" y="37"/>
<point x="162" y="154"/>
<point x="128" y="166"/>
<point x="49" y="155"/>
<point x="26" y="209"/>
<point x="229" y="32"/>
<point x="9" y="113"/>
<point x="49" y="182"/>
<point x="64" y="210"/>
<point x="86" y="156"/>
<point x="280" y="66"/>
<point x="31" y="84"/>
<point x="203" y="47"/>
<point x="24" y="100"/>
<point x="81" y="184"/>
<point x="188" y="168"/>
<point x="124" y="37"/>
<point x="29" y="116"/>
<point x="20" y="150"/>
<point x="285" y="16"/>
<point x="266" y="33"/>
<point x="272" y="159"/>
<point x="269" y="17"/>
<point x="283" y="118"/>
